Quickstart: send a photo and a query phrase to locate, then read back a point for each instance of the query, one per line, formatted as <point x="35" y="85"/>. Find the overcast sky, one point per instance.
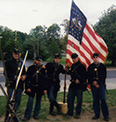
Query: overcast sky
<point x="23" y="15"/>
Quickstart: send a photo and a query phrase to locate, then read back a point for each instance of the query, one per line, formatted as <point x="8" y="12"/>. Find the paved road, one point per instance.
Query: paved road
<point x="110" y="81"/>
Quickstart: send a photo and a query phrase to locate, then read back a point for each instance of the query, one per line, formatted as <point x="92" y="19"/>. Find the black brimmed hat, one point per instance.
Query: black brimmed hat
<point x="57" y="55"/>
<point x="38" y="58"/>
<point x="16" y="51"/>
<point x="74" y="55"/>
<point x="95" y="54"/>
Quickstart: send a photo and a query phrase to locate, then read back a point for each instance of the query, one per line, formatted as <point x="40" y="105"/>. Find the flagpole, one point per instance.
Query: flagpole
<point x="65" y="73"/>
<point x="64" y="88"/>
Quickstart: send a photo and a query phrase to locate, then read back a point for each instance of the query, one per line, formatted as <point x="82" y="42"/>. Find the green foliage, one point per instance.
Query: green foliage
<point x="7" y="42"/>
<point x="63" y="44"/>
<point x="10" y="41"/>
<point x="63" y="40"/>
<point x="41" y="40"/>
<point x="106" y="28"/>
<point x="53" y="33"/>
<point x="65" y="24"/>
<point x="53" y="48"/>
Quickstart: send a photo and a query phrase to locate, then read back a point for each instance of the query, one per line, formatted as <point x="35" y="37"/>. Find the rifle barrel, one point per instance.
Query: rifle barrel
<point x="17" y="82"/>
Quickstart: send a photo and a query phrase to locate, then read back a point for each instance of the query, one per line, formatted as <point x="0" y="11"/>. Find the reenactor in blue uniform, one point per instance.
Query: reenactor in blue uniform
<point x="13" y="67"/>
<point x="53" y="71"/>
<point x="35" y="84"/>
<point x="96" y="77"/>
<point x="78" y="78"/>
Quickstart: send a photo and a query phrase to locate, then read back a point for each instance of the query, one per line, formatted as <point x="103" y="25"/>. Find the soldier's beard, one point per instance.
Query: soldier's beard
<point x="38" y="64"/>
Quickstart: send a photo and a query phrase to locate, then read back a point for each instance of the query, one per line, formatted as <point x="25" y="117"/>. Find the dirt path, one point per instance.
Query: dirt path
<point x="85" y="117"/>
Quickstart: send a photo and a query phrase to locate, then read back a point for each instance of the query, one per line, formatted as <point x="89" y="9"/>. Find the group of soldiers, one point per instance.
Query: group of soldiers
<point x="42" y="79"/>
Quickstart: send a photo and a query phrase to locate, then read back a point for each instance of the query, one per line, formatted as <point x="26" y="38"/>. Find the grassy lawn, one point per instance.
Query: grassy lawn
<point x="87" y="104"/>
<point x="62" y="61"/>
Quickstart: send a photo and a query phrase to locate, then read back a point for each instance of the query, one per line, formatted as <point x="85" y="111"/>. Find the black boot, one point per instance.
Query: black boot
<point x="59" y="110"/>
<point x="53" y="113"/>
<point x="51" y="109"/>
<point x="58" y="107"/>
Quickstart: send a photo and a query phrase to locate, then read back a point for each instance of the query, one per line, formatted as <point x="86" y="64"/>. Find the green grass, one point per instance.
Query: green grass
<point x="108" y="64"/>
<point x="62" y="61"/>
<point x="2" y="105"/>
<point x="87" y="105"/>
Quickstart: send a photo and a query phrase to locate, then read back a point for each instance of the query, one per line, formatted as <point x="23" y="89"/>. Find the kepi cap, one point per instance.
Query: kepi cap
<point x="74" y="55"/>
<point x="38" y="58"/>
<point x="57" y="55"/>
<point x="16" y="51"/>
<point x="95" y="54"/>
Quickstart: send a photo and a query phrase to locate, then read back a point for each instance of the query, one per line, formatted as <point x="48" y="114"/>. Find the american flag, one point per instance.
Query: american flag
<point x="83" y="40"/>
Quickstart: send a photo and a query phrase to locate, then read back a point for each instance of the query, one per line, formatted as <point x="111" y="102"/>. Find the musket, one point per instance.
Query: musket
<point x="12" y="112"/>
<point x="19" y="76"/>
<point x="37" y="71"/>
<point x="12" y="99"/>
<point x="3" y="91"/>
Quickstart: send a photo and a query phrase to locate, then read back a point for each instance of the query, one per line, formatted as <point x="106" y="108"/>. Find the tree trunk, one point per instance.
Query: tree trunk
<point x="34" y="53"/>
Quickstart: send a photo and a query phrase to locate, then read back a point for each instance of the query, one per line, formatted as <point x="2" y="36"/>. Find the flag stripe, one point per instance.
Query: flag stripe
<point x="69" y="60"/>
<point x="86" y="51"/>
<point x="101" y="41"/>
<point x="93" y="41"/>
<point x="83" y="40"/>
<point x="93" y="46"/>
<point x="77" y="50"/>
<point x="92" y="33"/>
<point x="80" y="50"/>
<point x="72" y="50"/>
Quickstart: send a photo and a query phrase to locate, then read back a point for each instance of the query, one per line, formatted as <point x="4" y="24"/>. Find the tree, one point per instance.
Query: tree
<point x="53" y="48"/>
<point x="1" y="29"/>
<point x="41" y="40"/>
<point x="65" y="24"/>
<point x="12" y="39"/>
<point x="53" y="33"/>
<point x="7" y="42"/>
<point x="63" y="40"/>
<point x="53" y="40"/>
<point x="63" y="44"/>
<point x="37" y="40"/>
<point x="106" y="27"/>
<point x="37" y="33"/>
<point x="19" y="40"/>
